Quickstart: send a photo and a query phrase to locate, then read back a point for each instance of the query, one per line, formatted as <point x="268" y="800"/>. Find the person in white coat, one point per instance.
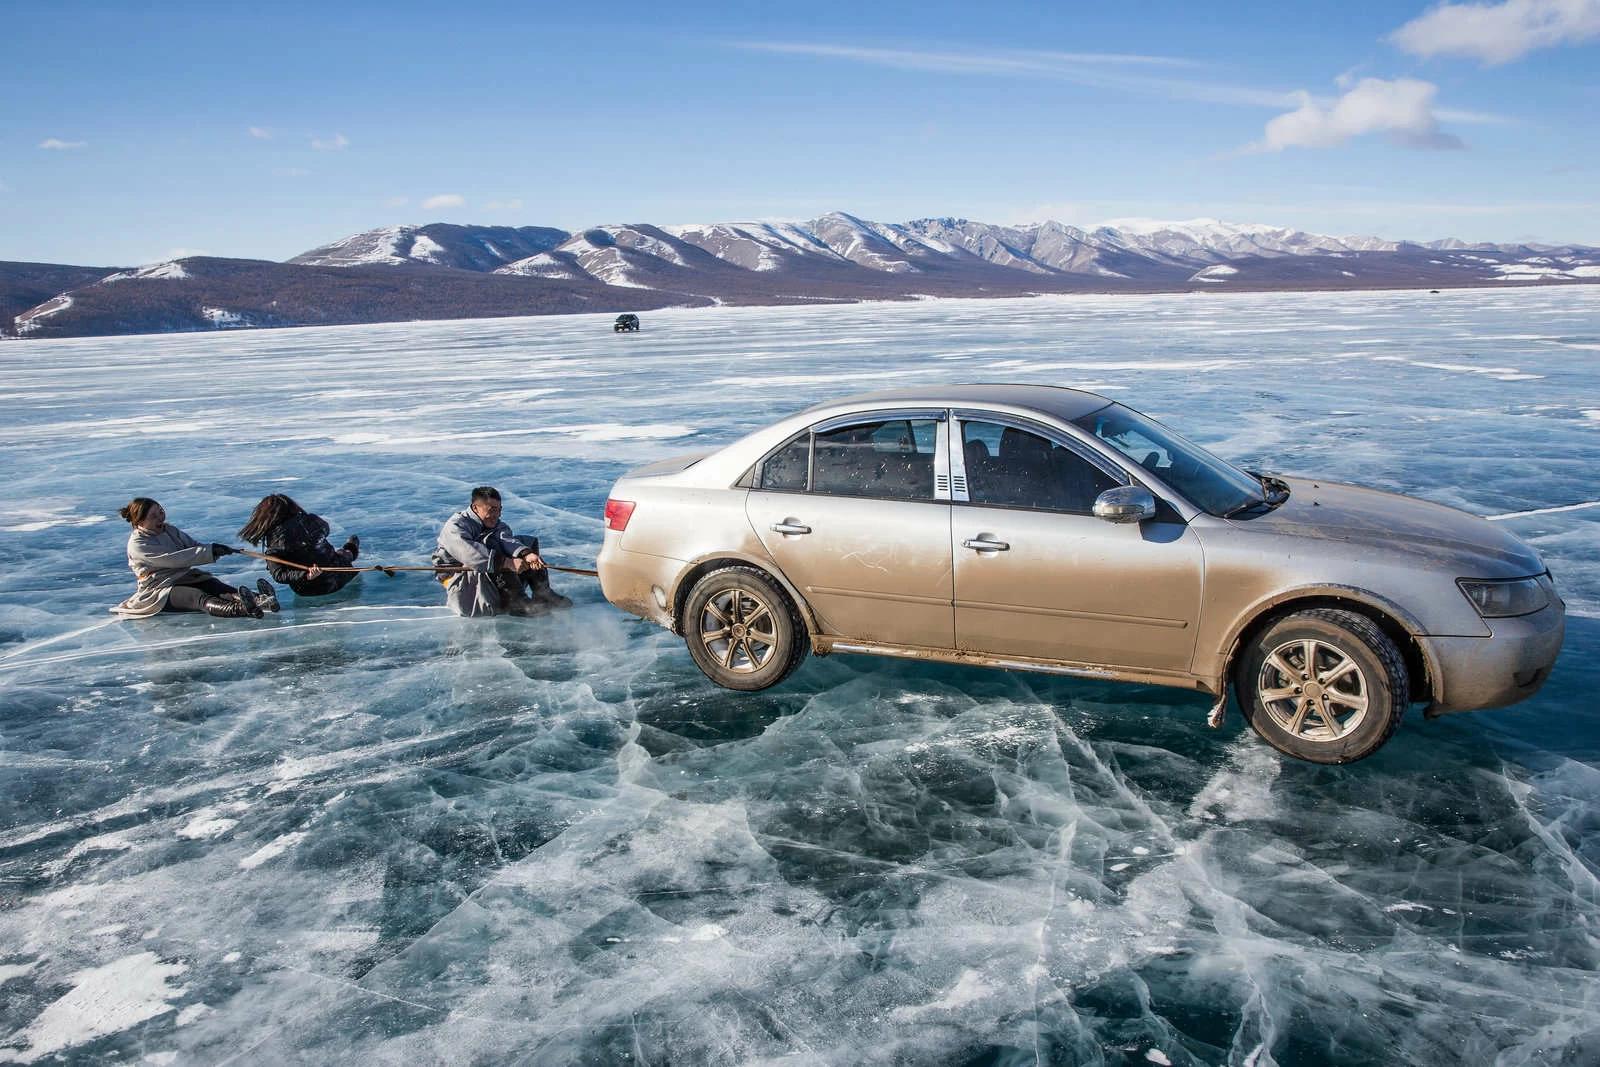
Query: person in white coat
<point x="505" y="573"/>
<point x="165" y="561"/>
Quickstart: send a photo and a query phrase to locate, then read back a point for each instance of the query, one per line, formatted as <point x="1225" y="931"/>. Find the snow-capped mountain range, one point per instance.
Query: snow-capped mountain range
<point x="613" y="253"/>
<point x="474" y="271"/>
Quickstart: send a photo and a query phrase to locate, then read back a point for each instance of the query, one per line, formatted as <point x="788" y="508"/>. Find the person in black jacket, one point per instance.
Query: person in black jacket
<point x="288" y="531"/>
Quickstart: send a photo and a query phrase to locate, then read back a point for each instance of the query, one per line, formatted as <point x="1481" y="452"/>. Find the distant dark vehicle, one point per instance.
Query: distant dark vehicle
<point x="626" y="324"/>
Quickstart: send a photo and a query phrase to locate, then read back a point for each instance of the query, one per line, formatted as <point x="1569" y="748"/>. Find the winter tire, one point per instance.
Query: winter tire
<point x="742" y="629"/>
<point x="1323" y="685"/>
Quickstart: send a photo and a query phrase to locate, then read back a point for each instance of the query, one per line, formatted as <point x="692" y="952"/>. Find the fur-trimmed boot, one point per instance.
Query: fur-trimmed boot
<point x="266" y="596"/>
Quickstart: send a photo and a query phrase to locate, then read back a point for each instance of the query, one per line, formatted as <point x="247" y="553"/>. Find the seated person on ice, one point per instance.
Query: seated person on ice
<point x="163" y="558"/>
<point x="504" y="573"/>
<point x="288" y="531"/>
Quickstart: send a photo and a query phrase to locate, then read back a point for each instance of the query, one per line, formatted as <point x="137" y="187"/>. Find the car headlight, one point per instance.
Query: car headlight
<point x="1499" y="600"/>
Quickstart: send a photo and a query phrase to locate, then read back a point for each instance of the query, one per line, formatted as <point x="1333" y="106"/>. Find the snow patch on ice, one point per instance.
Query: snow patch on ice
<point x="1504" y="374"/>
<point x="104" y="1000"/>
<point x="207" y="824"/>
<point x="271" y="850"/>
<point x="9" y="971"/>
<point x="32" y="520"/>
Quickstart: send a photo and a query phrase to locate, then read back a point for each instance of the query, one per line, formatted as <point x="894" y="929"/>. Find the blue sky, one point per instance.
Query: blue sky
<point x="129" y="134"/>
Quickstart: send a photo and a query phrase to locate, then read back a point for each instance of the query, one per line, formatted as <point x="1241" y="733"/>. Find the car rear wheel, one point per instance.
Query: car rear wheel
<point x="1323" y="685"/>
<point x="742" y="629"/>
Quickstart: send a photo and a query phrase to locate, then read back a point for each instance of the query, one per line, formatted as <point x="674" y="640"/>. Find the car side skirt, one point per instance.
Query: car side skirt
<point x="823" y="644"/>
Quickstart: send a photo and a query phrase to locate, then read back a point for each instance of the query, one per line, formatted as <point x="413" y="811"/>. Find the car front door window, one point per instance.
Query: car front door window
<point x="1008" y="466"/>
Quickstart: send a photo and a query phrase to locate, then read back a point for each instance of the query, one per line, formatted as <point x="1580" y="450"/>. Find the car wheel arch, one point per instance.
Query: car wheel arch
<point x="700" y="568"/>
<point x="1401" y="627"/>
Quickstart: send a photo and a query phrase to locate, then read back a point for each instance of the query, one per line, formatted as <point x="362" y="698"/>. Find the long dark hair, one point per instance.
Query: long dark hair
<point x="136" y="509"/>
<point x="272" y="511"/>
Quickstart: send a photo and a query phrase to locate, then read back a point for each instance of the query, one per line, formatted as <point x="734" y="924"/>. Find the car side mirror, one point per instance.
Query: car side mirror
<point x="1125" y="503"/>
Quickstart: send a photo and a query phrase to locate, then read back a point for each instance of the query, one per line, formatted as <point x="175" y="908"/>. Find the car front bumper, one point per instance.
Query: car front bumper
<point x="1508" y="666"/>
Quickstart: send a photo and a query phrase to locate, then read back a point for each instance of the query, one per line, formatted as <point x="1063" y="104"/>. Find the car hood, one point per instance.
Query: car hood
<point x="1333" y="512"/>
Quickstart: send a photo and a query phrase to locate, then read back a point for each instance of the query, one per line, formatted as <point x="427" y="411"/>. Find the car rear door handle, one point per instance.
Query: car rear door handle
<point x="790" y="528"/>
<point x="984" y="543"/>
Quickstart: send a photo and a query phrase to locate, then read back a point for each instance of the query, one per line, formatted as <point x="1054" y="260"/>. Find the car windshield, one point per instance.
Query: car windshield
<point x="1211" y="484"/>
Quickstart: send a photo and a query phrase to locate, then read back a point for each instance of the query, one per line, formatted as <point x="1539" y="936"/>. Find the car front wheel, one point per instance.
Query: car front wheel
<point x="742" y="629"/>
<point x="1323" y="685"/>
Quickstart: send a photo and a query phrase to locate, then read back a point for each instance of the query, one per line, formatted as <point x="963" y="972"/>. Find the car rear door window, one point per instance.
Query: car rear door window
<point x="786" y="470"/>
<point x="1012" y="467"/>
<point x="891" y="459"/>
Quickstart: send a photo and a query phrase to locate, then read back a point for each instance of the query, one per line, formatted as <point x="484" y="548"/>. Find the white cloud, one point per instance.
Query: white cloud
<point x="1401" y="109"/>
<point x="337" y="143"/>
<point x="1135" y="74"/>
<point x="1097" y="70"/>
<point x="504" y="205"/>
<point x="1499" y="33"/>
<point x="1010" y="62"/>
<point x="443" y="200"/>
<point x="57" y="145"/>
<point x="260" y="133"/>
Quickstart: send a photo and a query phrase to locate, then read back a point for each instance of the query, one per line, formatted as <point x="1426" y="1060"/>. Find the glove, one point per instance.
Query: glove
<point x="218" y="550"/>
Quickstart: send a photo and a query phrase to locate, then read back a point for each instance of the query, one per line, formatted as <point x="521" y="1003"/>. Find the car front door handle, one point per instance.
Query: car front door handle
<point x="790" y="528"/>
<point x="984" y="543"/>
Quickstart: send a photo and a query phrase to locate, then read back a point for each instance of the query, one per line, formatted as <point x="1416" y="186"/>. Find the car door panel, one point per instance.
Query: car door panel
<point x="1074" y="587"/>
<point x="877" y="570"/>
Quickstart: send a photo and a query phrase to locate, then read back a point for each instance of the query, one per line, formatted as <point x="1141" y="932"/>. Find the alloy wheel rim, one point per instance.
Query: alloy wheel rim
<point x="1314" y="690"/>
<point x="739" y="630"/>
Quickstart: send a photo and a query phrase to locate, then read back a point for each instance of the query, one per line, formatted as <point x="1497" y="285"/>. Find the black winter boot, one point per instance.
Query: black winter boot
<point x="248" y="596"/>
<point x="266" y="596"/>
<point x="539" y="589"/>
<point x="224" y="607"/>
<point x="353" y="547"/>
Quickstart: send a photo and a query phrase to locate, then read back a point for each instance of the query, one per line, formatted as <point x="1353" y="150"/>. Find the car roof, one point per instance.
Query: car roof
<point x="1052" y="399"/>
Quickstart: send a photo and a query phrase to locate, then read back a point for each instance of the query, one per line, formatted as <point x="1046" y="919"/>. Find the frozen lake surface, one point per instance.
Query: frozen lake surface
<point x="364" y="830"/>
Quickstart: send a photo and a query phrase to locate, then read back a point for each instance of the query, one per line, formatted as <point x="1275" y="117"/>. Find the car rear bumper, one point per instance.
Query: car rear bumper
<point x="636" y="582"/>
<point x="1508" y="666"/>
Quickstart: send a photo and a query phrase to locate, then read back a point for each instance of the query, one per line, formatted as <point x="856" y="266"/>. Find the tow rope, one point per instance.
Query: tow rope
<point x="391" y="571"/>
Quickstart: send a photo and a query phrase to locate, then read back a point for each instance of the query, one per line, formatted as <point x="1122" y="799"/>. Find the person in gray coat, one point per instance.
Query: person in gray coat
<point x="165" y="561"/>
<point x="504" y="572"/>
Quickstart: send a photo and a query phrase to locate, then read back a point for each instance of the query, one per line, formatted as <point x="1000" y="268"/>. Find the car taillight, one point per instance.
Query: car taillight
<point x="618" y="512"/>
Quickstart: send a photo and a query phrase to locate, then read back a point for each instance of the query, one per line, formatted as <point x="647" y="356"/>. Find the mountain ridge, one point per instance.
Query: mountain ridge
<point x="448" y="270"/>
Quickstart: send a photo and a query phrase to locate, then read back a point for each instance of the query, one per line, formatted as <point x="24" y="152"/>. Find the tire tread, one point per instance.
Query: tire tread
<point x="798" y="647"/>
<point x="1380" y="644"/>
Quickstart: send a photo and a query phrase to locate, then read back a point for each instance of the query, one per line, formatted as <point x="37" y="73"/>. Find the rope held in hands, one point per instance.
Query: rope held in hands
<point x="392" y="571"/>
